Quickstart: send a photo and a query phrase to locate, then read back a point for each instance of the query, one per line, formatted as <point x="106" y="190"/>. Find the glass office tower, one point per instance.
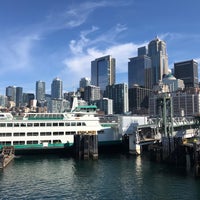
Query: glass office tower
<point x="103" y="72"/>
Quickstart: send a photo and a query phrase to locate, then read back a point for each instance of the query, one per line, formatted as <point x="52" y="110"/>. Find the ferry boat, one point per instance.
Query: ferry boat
<point x="48" y="130"/>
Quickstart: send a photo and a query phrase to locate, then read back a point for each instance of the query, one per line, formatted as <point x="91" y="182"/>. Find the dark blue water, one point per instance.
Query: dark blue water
<point x="111" y="177"/>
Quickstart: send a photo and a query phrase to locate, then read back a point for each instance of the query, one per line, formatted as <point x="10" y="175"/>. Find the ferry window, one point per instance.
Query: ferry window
<point x="67" y="133"/>
<point x="32" y="134"/>
<point x="73" y="124"/>
<point x="61" y="133"/>
<point x="42" y="134"/>
<point x="7" y="143"/>
<point x="42" y="124"/>
<point x="36" y="124"/>
<point x="32" y="142"/>
<point x="22" y="134"/>
<point x="16" y="125"/>
<point x="16" y="134"/>
<point x="56" y="141"/>
<point x="23" y="125"/>
<point x="9" y="124"/>
<point x="55" y="124"/>
<point x="83" y="124"/>
<point x="2" y="124"/>
<point x="48" y="124"/>
<point x="55" y="133"/>
<point x="48" y="133"/>
<point x="29" y="124"/>
<point x="61" y="124"/>
<point x="18" y="142"/>
<point x="8" y="134"/>
<point x="67" y="124"/>
<point x="78" y="123"/>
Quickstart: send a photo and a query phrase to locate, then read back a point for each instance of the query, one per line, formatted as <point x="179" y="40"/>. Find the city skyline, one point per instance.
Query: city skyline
<point x="41" y="40"/>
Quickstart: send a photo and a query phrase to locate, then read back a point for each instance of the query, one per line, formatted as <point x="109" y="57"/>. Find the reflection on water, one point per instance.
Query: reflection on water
<point x="111" y="177"/>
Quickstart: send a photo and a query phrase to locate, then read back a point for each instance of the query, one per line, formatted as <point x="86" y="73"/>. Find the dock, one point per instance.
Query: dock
<point x="6" y="156"/>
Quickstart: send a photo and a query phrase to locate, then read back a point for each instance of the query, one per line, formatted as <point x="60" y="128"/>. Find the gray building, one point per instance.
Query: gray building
<point x="159" y="59"/>
<point x="84" y="82"/>
<point x="40" y="91"/>
<point x="188" y="72"/>
<point x="139" y="69"/>
<point x="57" y="89"/>
<point x="139" y="99"/>
<point x="19" y="96"/>
<point x="92" y="93"/>
<point x="119" y="94"/>
<point x="103" y="72"/>
<point x="11" y="93"/>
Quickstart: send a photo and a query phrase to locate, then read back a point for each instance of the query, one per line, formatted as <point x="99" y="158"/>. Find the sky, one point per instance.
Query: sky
<point x="45" y="39"/>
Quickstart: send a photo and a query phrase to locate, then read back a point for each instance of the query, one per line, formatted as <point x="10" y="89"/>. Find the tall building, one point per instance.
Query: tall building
<point x="139" y="70"/>
<point x="159" y="59"/>
<point x="11" y="93"/>
<point x="19" y="96"/>
<point x="139" y="99"/>
<point x="40" y="91"/>
<point x="92" y="93"/>
<point x="105" y="105"/>
<point x="57" y="89"/>
<point x="84" y="82"/>
<point x="27" y="98"/>
<point x="119" y="94"/>
<point x="188" y="72"/>
<point x="103" y="72"/>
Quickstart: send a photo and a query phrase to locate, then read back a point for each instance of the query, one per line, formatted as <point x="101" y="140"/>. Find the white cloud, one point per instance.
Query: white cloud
<point x="84" y="50"/>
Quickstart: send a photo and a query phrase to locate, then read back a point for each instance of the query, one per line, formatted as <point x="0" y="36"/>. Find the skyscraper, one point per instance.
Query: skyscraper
<point x="139" y="69"/>
<point x="11" y="93"/>
<point x="57" y="89"/>
<point x="119" y="94"/>
<point x="84" y="82"/>
<point x="159" y="59"/>
<point x="19" y="96"/>
<point x="188" y="72"/>
<point x="103" y="72"/>
<point x="40" y="91"/>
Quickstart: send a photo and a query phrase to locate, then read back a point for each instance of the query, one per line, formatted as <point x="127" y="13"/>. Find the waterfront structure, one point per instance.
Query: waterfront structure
<point x="57" y="89"/>
<point x="11" y="93"/>
<point x="159" y="59"/>
<point x="184" y="104"/>
<point x="188" y="72"/>
<point x="40" y="91"/>
<point x="139" y="99"/>
<point x="140" y="70"/>
<point x="119" y="94"/>
<point x="173" y="83"/>
<point x="103" y="72"/>
<point x="91" y="93"/>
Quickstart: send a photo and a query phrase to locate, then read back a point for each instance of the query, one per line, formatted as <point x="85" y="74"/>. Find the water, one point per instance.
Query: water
<point x="111" y="177"/>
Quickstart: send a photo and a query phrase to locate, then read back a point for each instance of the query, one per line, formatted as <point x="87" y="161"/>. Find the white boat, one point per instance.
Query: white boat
<point x="43" y="130"/>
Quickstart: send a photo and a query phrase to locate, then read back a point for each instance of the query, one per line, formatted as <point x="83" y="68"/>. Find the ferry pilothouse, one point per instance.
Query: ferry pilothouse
<point x="48" y="130"/>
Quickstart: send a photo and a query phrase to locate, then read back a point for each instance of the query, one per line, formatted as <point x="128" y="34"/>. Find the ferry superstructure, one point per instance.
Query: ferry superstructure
<point x="48" y="130"/>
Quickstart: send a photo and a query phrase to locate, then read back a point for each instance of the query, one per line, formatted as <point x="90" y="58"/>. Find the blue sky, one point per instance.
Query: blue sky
<point x="44" y="39"/>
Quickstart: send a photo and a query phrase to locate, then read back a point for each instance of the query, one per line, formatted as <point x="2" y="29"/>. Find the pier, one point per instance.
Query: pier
<point x="6" y="156"/>
<point x="169" y="139"/>
<point x="86" y="145"/>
